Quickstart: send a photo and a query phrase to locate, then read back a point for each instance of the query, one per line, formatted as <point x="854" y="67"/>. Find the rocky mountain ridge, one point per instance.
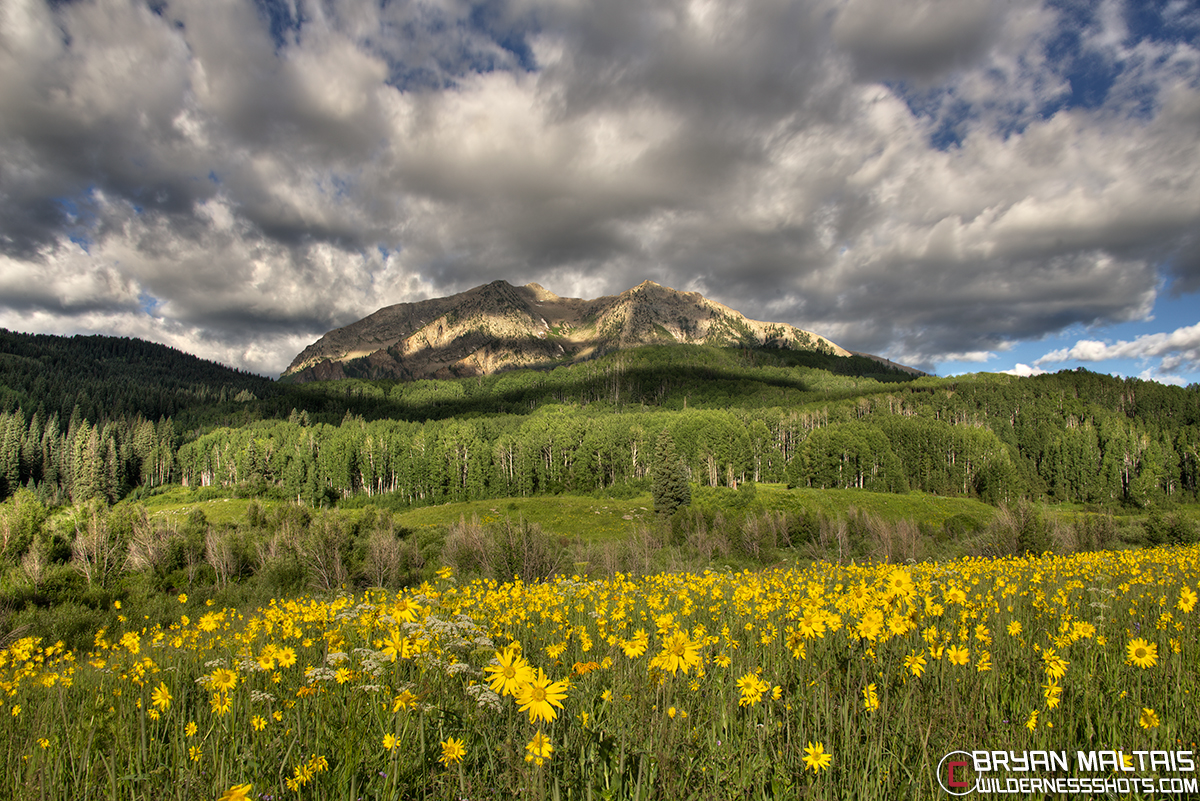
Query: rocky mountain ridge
<point x="499" y="326"/>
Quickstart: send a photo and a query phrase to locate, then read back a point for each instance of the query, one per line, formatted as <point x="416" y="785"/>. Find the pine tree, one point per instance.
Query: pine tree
<point x="11" y="429"/>
<point x="669" y="477"/>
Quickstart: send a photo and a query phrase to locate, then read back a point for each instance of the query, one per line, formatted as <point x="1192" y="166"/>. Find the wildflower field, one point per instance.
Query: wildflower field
<point x="825" y="681"/>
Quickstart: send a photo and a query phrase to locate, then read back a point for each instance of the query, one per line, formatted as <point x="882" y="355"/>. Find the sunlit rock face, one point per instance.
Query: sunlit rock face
<point x="498" y="326"/>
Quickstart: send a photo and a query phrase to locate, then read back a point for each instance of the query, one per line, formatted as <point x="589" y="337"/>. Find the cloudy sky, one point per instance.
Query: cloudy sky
<point x="960" y="185"/>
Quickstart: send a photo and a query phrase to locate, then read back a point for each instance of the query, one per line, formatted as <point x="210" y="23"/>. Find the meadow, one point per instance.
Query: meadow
<point x="816" y="680"/>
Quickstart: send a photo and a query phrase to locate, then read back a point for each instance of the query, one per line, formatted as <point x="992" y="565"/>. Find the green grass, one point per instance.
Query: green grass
<point x="571" y="516"/>
<point x="182" y="501"/>
<point x="916" y="506"/>
<point x="589" y="519"/>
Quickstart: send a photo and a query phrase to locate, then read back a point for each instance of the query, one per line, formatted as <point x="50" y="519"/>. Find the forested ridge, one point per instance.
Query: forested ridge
<point x="100" y="417"/>
<point x="108" y="377"/>
<point x="1073" y="437"/>
<point x="94" y="416"/>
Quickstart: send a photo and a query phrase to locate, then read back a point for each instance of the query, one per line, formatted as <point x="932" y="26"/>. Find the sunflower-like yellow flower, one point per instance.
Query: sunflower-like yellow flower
<point x="220" y="703"/>
<point x="286" y="657"/>
<point x="1187" y="599"/>
<point x="679" y="653"/>
<point x="405" y="700"/>
<point x="1141" y="653"/>
<point x="540" y="696"/>
<point x="915" y="664"/>
<point x="1052" y="691"/>
<point x="453" y="752"/>
<point x="397" y="645"/>
<point x="266" y="659"/>
<point x="958" y="655"/>
<point x="900" y="584"/>
<point x="871" y="625"/>
<point x="1055" y="665"/>
<point x="161" y="697"/>
<point x="239" y="792"/>
<point x="752" y="688"/>
<point x="636" y="645"/>
<point x="510" y="672"/>
<point x="1148" y="720"/>
<point x="870" y="698"/>
<point x="222" y="679"/>
<point x="539" y="749"/>
<point x="815" y="758"/>
<point x="812" y="625"/>
<point x="407" y="610"/>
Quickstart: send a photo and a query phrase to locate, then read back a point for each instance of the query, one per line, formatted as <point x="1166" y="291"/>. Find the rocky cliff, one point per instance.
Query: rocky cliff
<point x="499" y="326"/>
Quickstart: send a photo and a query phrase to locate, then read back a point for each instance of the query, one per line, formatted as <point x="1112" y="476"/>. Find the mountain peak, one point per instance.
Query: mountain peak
<point x="498" y="326"/>
<point x="540" y="292"/>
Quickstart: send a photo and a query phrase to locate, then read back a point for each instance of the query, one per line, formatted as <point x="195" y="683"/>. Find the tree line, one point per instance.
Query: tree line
<point x="735" y="415"/>
<point x="1075" y="452"/>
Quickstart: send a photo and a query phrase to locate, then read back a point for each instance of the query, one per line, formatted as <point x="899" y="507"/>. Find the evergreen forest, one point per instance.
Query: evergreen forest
<point x="104" y="418"/>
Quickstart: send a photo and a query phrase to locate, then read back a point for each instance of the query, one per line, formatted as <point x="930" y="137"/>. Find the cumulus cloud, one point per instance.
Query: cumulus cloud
<point x="1177" y="349"/>
<point x="924" y="179"/>
<point x="1024" y="370"/>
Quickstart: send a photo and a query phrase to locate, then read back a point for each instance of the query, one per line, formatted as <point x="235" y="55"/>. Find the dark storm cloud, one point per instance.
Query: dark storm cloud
<point x="918" y="41"/>
<point x="922" y="178"/>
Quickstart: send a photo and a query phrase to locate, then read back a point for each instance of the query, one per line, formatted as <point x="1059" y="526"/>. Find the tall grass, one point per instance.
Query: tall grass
<point x="713" y="684"/>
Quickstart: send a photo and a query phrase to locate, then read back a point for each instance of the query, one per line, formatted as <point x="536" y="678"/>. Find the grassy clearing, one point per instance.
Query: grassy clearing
<point x="180" y="502"/>
<point x="574" y="517"/>
<point x="589" y="519"/>
<point x="919" y="507"/>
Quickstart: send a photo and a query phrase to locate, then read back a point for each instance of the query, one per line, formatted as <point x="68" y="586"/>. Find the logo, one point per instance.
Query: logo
<point x="956" y="773"/>
<point x="1107" y="772"/>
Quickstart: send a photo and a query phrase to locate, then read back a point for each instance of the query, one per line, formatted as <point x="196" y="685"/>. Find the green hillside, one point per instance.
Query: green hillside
<point x="91" y="417"/>
<point x="133" y="472"/>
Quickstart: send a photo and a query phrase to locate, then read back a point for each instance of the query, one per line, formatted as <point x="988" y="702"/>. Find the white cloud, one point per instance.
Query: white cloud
<point x="1182" y="342"/>
<point x="1179" y="349"/>
<point x="1162" y="378"/>
<point x="1024" y="370"/>
<point x="968" y="356"/>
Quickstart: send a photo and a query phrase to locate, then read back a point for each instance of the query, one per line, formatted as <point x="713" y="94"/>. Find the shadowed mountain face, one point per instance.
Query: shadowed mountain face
<point x="501" y="327"/>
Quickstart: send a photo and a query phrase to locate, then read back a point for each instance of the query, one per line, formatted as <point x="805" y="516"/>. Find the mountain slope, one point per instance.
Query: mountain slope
<point x="499" y="327"/>
<point x="109" y="377"/>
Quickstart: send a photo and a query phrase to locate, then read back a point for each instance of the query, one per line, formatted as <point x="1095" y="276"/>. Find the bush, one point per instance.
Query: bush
<point x="1021" y="529"/>
<point x="1095" y="532"/>
<point x="522" y="549"/>
<point x="502" y="550"/>
<point x="1174" y="529"/>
